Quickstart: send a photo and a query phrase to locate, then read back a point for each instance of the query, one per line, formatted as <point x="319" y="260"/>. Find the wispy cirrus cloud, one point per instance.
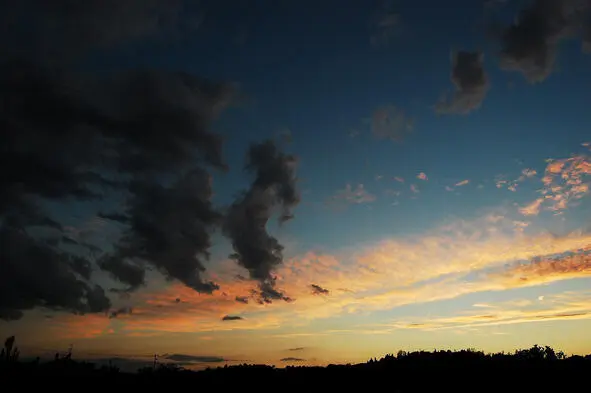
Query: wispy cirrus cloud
<point x="545" y="270"/>
<point x="563" y="306"/>
<point x="67" y="326"/>
<point x="491" y="253"/>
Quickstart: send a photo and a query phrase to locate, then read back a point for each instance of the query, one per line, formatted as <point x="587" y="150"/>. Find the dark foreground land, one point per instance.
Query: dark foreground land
<point x="538" y="369"/>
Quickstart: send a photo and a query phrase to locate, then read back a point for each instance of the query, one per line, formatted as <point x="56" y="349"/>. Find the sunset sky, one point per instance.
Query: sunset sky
<point x="424" y="165"/>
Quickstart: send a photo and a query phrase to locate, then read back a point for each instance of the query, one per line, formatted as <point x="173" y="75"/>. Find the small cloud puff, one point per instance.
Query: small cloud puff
<point x="357" y="195"/>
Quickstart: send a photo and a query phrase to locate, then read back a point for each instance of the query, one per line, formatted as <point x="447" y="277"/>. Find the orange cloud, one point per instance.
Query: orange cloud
<point x="512" y="185"/>
<point x="532" y="209"/>
<point x="462" y="183"/>
<point x="555" y="167"/>
<point x="68" y="326"/>
<point x="544" y="271"/>
<point x="193" y="314"/>
<point x="565" y="182"/>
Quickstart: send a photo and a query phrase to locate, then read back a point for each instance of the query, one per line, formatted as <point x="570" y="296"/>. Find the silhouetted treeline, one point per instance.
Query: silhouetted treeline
<point x="527" y="370"/>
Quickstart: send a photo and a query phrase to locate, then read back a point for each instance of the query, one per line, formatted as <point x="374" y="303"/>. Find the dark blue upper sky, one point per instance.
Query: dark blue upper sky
<point x="319" y="70"/>
<point x="311" y="68"/>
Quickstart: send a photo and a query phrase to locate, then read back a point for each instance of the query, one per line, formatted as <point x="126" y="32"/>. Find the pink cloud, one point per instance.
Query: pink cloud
<point x="565" y="181"/>
<point x="555" y="167"/>
<point x="512" y="185"/>
<point x="422" y="176"/>
<point x="532" y="209"/>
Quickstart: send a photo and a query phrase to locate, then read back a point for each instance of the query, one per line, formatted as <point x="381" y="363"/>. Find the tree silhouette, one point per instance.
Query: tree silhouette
<point x="10" y="353"/>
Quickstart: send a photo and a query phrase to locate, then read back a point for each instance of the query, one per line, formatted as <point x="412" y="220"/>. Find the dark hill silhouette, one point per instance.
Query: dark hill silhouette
<point x="537" y="369"/>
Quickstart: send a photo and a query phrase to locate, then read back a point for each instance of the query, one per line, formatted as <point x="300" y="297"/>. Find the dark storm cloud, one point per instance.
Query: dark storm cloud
<point x="232" y="318"/>
<point x="37" y="275"/>
<point x="529" y="45"/>
<point x="68" y="136"/>
<point x="470" y="81"/>
<point x="68" y="240"/>
<point x="242" y="299"/>
<point x="292" y="359"/>
<point x="57" y="139"/>
<point x="274" y="187"/>
<point x="123" y="270"/>
<point x="170" y="227"/>
<point x="143" y="104"/>
<point x="318" y="290"/>
<point x="58" y="136"/>
<point x="118" y="217"/>
<point x="46" y="141"/>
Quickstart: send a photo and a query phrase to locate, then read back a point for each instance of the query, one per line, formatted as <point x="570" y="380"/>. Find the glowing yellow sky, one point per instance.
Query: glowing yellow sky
<point x="495" y="282"/>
